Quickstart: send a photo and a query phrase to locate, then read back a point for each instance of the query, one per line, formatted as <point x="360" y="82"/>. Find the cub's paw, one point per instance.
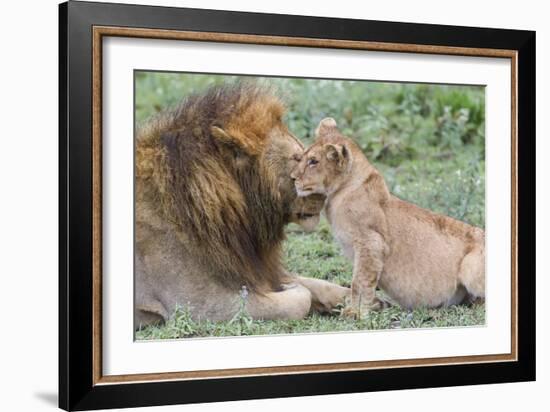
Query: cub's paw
<point x="379" y="304"/>
<point x="358" y="312"/>
<point x="350" y="312"/>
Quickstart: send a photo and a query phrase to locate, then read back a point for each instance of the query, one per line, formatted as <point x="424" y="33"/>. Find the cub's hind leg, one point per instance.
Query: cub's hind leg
<point x="472" y="273"/>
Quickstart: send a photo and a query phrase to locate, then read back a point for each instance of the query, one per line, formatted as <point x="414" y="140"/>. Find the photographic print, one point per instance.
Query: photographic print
<point x="270" y="205"/>
<point x="257" y="206"/>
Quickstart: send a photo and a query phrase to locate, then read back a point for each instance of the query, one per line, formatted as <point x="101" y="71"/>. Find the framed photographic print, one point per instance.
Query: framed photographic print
<point x="257" y="205"/>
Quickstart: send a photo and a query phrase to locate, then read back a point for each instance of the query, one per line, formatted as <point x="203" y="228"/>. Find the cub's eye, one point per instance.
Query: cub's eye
<point x="312" y="162"/>
<point x="296" y="158"/>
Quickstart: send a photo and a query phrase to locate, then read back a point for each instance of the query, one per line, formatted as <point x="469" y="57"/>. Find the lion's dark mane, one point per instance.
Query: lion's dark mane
<point x="219" y="193"/>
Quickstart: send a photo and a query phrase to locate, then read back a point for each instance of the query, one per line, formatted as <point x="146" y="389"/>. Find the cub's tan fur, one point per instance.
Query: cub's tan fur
<point x="213" y="194"/>
<point x="419" y="258"/>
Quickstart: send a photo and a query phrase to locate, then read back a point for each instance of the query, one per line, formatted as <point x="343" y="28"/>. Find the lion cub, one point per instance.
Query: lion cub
<point x="419" y="258"/>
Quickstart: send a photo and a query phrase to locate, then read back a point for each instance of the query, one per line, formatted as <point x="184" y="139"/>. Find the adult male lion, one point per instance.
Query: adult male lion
<point x="213" y="194"/>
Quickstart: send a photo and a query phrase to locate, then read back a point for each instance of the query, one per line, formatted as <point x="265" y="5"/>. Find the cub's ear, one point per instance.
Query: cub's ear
<point x="325" y="126"/>
<point x="337" y="153"/>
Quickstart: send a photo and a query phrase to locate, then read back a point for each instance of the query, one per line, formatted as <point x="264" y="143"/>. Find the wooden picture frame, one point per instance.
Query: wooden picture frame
<point x="82" y="27"/>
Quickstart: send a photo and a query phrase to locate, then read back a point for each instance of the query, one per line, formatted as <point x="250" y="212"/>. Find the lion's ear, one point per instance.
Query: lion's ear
<point x="326" y="125"/>
<point x="337" y="153"/>
<point x="236" y="140"/>
<point x="221" y="134"/>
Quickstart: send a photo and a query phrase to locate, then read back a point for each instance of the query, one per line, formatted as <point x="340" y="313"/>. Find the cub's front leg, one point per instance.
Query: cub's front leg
<point x="368" y="263"/>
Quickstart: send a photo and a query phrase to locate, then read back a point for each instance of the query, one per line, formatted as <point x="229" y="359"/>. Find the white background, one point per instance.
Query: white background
<point x="28" y="206"/>
<point x="122" y="355"/>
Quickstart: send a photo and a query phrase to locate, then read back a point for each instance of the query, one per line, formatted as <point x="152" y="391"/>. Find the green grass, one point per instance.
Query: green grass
<point x="182" y="326"/>
<point x="427" y="140"/>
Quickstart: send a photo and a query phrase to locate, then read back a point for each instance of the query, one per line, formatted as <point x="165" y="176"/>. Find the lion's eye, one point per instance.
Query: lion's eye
<point x="312" y="162"/>
<point x="296" y="158"/>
